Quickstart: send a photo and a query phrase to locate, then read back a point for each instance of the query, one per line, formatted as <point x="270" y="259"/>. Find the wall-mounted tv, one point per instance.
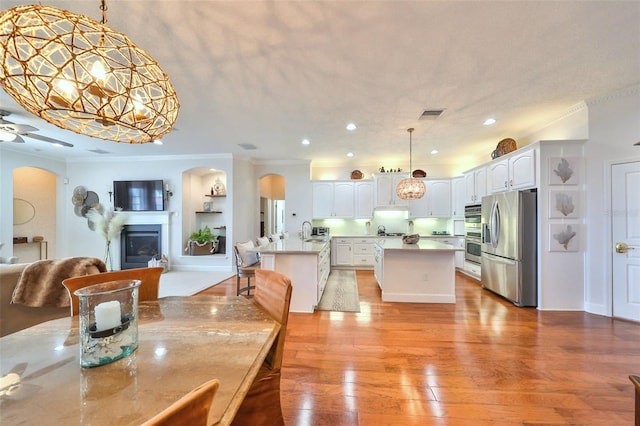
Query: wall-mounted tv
<point x="138" y="195"/>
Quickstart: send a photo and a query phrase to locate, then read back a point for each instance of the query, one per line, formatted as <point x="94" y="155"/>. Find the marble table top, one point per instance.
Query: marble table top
<point x="183" y="342"/>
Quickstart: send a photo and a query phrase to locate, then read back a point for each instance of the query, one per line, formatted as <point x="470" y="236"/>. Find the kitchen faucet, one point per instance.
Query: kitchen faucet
<point x="306" y="230"/>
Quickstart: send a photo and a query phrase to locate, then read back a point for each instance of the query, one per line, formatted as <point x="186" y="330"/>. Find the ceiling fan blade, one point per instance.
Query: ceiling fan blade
<point x="18" y="139"/>
<point x="48" y="139"/>
<point x="21" y="129"/>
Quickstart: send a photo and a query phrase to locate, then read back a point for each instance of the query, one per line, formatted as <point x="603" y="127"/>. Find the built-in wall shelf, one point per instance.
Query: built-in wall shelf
<point x="208" y="212"/>
<point x="214" y="196"/>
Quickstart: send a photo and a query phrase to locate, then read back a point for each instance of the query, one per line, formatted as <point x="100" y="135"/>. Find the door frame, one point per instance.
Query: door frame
<point x="608" y="182"/>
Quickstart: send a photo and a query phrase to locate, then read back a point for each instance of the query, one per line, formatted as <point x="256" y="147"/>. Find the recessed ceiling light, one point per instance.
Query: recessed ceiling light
<point x="489" y="121"/>
<point x="351" y="126"/>
<point x="434" y="151"/>
<point x="158" y="142"/>
<point x="349" y="154"/>
<point x="305" y="142"/>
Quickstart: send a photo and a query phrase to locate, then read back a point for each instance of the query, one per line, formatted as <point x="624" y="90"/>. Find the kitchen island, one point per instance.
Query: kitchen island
<point x="307" y="264"/>
<point x="416" y="273"/>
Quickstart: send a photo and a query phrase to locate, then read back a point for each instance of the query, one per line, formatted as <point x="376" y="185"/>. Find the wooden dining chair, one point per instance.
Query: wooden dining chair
<point x="148" y="290"/>
<point x="261" y="406"/>
<point x="636" y="383"/>
<point x="190" y="410"/>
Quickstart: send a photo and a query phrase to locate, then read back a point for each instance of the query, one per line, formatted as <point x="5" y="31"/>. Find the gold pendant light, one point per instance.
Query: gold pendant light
<point x="410" y="188"/>
<point x="83" y="76"/>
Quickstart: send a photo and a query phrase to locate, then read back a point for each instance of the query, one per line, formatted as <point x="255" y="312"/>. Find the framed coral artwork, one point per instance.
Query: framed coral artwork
<point x="564" y="237"/>
<point x="564" y="204"/>
<point x="564" y="171"/>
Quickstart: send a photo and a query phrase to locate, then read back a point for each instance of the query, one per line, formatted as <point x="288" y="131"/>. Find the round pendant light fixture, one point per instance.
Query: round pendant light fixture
<point x="410" y="188"/>
<point x="83" y="76"/>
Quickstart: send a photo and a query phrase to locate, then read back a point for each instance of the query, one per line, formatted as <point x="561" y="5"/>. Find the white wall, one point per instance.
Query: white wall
<point x="10" y="160"/>
<point x="614" y="126"/>
<point x="38" y="188"/>
<point x="298" y="192"/>
<point x="98" y="175"/>
<point x="246" y="202"/>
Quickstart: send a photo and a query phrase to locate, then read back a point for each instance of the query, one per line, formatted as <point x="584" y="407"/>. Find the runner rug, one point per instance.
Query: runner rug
<point x="340" y="293"/>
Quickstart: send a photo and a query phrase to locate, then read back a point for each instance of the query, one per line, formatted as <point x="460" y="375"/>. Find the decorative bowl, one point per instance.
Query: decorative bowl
<point x="410" y="239"/>
<point x="357" y="174"/>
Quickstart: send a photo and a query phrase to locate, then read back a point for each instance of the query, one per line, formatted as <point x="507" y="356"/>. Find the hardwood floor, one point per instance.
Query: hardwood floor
<point x="480" y="361"/>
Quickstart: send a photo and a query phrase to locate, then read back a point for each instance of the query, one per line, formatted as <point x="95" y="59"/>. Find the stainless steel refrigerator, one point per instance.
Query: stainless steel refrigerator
<point x="509" y="246"/>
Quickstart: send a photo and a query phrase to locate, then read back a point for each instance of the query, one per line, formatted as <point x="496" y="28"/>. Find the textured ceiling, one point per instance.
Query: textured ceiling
<point x="273" y="73"/>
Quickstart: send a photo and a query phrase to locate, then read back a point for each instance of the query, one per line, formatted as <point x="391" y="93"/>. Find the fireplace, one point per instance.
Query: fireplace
<point x="138" y="244"/>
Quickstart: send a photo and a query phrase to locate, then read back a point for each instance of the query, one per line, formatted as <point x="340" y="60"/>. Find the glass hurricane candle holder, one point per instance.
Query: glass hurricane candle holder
<point x="108" y="321"/>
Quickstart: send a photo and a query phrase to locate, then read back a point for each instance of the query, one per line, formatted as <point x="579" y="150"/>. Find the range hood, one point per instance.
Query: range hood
<point x="391" y="208"/>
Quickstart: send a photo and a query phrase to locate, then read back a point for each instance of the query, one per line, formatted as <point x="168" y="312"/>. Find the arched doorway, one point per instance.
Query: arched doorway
<point x="272" y="205"/>
<point x="34" y="214"/>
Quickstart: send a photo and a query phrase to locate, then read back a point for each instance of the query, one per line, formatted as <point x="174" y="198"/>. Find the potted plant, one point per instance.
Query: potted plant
<point x="202" y="242"/>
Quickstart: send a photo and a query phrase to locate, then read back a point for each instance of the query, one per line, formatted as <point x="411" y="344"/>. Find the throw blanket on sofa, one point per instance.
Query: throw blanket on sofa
<point x="41" y="281"/>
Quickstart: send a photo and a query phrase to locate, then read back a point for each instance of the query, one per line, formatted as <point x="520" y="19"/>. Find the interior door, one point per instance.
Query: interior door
<point x="625" y="181"/>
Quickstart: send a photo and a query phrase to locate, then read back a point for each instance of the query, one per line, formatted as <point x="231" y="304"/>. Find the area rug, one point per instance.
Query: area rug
<point x="340" y="293"/>
<point x="188" y="283"/>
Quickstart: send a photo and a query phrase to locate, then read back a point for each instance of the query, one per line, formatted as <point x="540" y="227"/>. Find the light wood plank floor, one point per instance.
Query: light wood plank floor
<point x="481" y="361"/>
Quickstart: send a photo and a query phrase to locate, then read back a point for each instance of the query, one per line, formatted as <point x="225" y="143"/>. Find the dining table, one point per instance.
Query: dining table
<point x="182" y="343"/>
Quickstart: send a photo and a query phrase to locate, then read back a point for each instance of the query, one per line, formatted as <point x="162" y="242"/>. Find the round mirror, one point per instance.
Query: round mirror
<point x="23" y="211"/>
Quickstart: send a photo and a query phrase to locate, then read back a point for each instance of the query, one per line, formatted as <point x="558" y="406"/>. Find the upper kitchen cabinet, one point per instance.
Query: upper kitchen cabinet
<point x="516" y="171"/>
<point x="475" y="185"/>
<point x="386" y="184"/>
<point x="363" y="199"/>
<point x="436" y="201"/>
<point x="457" y="197"/>
<point x="333" y="199"/>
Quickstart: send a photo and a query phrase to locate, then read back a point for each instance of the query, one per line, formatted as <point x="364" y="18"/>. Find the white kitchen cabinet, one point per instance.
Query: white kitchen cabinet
<point x="355" y="252"/>
<point x="363" y="199"/>
<point x="363" y="252"/>
<point x="308" y="270"/>
<point x="457" y="197"/>
<point x="386" y="184"/>
<point x="324" y="268"/>
<point x="514" y="172"/>
<point x="342" y="252"/>
<point x="378" y="269"/>
<point x="333" y="199"/>
<point x="475" y="184"/>
<point x="436" y="201"/>
<point x="472" y="269"/>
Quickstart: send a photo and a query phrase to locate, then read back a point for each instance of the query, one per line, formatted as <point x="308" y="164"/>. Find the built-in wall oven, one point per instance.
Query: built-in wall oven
<point x="472" y="233"/>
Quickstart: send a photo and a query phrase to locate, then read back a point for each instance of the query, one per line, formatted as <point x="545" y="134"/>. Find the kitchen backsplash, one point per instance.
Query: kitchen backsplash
<point x="393" y="221"/>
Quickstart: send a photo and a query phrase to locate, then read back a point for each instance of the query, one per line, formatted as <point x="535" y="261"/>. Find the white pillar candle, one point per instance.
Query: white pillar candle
<point x="108" y="315"/>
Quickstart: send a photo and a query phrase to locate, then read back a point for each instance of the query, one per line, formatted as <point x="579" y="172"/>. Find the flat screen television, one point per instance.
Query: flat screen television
<point x="138" y="195"/>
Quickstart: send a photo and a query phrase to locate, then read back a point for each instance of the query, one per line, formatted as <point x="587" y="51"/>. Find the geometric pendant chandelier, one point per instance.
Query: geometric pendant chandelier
<point x="83" y="76"/>
<point x="410" y="188"/>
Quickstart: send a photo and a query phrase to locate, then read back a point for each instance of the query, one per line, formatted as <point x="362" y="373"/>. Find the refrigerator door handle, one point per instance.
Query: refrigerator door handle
<point x="494" y="223"/>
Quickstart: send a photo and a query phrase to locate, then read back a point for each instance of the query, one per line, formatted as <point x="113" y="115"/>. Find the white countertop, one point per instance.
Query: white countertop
<point x="396" y="236"/>
<point x="423" y="244"/>
<point x="293" y="246"/>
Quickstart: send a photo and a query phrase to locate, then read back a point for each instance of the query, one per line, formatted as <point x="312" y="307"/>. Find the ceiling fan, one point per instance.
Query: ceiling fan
<point x="12" y="132"/>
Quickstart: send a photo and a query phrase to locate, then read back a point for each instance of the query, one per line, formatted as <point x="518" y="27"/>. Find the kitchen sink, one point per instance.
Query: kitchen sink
<point x="315" y="240"/>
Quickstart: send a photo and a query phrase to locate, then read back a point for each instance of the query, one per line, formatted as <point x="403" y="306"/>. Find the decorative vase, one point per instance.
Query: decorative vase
<point x="108" y="321"/>
<point x="108" y="260"/>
